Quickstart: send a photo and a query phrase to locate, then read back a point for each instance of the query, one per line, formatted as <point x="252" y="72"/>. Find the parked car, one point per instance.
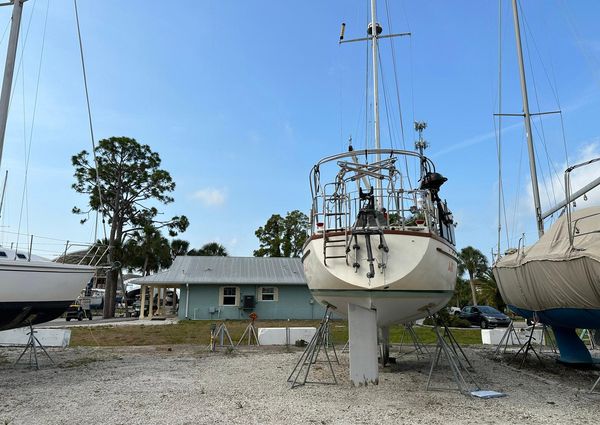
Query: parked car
<point x="455" y="311"/>
<point x="484" y="316"/>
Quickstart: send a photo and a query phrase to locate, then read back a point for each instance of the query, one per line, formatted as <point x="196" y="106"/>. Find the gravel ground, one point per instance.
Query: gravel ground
<point x="188" y="385"/>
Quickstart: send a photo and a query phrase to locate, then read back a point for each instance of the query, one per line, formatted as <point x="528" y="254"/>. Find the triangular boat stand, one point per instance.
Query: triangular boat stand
<point x="318" y="343"/>
<point x="32" y="345"/>
<point x="509" y="338"/>
<point x="548" y="340"/>
<point x="595" y="384"/>
<point x="218" y="333"/>
<point x="419" y="348"/>
<point x="448" y="348"/>
<point x="250" y="334"/>
<point x="589" y="335"/>
<point x="528" y="346"/>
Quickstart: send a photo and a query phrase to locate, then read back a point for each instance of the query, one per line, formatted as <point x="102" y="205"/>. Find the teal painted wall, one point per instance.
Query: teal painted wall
<point x="294" y="302"/>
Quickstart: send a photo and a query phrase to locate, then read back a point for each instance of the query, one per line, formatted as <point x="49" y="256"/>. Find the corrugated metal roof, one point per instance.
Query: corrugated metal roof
<point x="229" y="270"/>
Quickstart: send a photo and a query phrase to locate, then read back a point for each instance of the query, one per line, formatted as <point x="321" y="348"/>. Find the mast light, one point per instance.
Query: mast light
<point x="370" y="29"/>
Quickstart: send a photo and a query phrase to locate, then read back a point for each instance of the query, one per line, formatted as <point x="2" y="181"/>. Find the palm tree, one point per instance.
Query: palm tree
<point x="462" y="293"/>
<point x="147" y="250"/>
<point x="490" y="292"/>
<point x="473" y="262"/>
<point x="210" y="249"/>
<point x="179" y="247"/>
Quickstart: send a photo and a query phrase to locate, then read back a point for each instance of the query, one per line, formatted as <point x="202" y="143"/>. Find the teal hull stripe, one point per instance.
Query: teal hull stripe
<point x="375" y="293"/>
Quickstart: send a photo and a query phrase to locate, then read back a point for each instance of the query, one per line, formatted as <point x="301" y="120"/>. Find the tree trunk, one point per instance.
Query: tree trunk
<point x="473" y="292"/>
<point x="110" y="291"/>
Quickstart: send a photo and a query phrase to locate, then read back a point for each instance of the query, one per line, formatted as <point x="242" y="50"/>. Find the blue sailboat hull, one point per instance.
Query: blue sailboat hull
<point x="564" y="323"/>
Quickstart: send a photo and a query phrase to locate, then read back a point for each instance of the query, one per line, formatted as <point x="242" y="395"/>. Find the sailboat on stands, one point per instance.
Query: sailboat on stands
<point x="556" y="280"/>
<point x="380" y="250"/>
<point x="32" y="289"/>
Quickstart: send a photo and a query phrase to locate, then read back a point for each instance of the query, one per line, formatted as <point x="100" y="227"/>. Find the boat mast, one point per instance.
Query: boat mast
<point x="374" y="34"/>
<point x="527" y="116"/>
<point x="9" y="67"/>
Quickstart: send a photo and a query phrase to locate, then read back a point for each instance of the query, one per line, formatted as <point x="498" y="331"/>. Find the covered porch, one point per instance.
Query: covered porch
<point x="162" y="300"/>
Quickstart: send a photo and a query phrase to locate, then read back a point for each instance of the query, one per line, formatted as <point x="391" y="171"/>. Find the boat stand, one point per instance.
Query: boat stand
<point x="595" y="384"/>
<point x="318" y="343"/>
<point x="419" y="348"/>
<point x="32" y="345"/>
<point x="528" y="346"/>
<point x="219" y="332"/>
<point x="250" y="333"/>
<point x="548" y="340"/>
<point x="588" y="333"/>
<point x="510" y="335"/>
<point x="449" y="347"/>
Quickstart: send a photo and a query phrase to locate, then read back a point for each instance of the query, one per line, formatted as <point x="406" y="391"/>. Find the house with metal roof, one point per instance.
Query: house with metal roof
<point x="233" y="287"/>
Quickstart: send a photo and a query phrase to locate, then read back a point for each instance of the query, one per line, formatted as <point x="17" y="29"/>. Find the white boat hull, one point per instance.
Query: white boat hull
<point x="418" y="278"/>
<point x="38" y="291"/>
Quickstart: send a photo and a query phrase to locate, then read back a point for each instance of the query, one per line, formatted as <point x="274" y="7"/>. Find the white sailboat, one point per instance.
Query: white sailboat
<point x="557" y="279"/>
<point x="32" y="289"/>
<point x="380" y="250"/>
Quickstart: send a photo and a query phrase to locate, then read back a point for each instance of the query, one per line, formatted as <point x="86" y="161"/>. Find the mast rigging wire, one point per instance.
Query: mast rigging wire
<point x="540" y="131"/>
<point x="27" y="152"/>
<point x="498" y="132"/>
<point x="89" y="111"/>
<point x="397" y="86"/>
<point x="553" y="87"/>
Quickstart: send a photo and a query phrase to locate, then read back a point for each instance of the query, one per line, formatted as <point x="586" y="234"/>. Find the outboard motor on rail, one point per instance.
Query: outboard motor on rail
<point x="433" y="181"/>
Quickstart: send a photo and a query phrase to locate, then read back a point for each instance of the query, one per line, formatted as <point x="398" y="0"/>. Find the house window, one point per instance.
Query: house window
<point x="230" y="295"/>
<point x="267" y="293"/>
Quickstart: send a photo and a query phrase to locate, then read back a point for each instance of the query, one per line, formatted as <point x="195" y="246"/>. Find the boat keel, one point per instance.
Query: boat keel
<point x="362" y="328"/>
<point x="572" y="348"/>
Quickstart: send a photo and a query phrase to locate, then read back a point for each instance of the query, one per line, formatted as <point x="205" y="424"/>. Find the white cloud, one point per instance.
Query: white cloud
<point x="211" y="196"/>
<point x="552" y="192"/>
<point x="579" y="177"/>
<point x="520" y="217"/>
<point x="288" y="129"/>
<point x="475" y="140"/>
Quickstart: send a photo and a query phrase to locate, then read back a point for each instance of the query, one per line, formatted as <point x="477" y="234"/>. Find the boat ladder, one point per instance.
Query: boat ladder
<point x="334" y="239"/>
<point x="335" y="212"/>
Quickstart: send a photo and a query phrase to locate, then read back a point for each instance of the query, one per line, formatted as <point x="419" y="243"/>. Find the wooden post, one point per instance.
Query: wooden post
<point x="150" y="301"/>
<point x="142" y="300"/>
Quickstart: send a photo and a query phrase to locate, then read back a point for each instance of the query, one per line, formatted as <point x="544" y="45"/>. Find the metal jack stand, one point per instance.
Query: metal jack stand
<point x="320" y="341"/>
<point x="510" y="335"/>
<point x="31" y="346"/>
<point x="219" y="332"/>
<point x="419" y="348"/>
<point x="587" y="333"/>
<point x="528" y="346"/>
<point x="548" y="339"/>
<point x="447" y="345"/>
<point x="595" y="384"/>
<point x="250" y="332"/>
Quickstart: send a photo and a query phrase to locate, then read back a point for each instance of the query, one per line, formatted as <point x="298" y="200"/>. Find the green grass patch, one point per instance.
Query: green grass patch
<point x="197" y="332"/>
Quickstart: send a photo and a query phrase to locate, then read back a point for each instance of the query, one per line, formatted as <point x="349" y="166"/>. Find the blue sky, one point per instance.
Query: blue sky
<point x="242" y="98"/>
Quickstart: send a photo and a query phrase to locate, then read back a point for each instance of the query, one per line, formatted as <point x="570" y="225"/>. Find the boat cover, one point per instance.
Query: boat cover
<point x="551" y="273"/>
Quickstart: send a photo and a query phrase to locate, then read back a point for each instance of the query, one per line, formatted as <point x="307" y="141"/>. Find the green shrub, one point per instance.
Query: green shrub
<point x="452" y="321"/>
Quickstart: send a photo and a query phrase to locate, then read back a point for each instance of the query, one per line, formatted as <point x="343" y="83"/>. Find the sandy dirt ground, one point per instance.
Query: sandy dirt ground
<point x="189" y="385"/>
